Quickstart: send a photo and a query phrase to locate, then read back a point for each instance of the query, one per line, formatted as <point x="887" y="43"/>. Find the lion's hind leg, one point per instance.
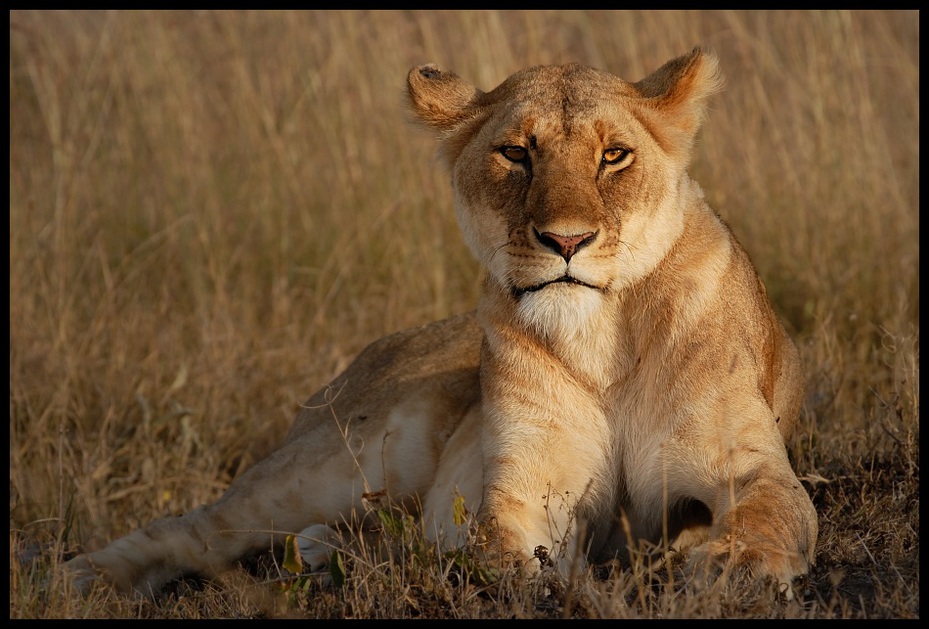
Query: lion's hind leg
<point x="165" y="550"/>
<point x="256" y="513"/>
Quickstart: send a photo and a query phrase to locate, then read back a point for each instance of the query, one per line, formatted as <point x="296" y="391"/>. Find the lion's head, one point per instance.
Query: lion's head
<point x="566" y="177"/>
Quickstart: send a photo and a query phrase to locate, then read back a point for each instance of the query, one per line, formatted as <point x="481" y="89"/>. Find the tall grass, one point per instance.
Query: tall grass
<point x="210" y="213"/>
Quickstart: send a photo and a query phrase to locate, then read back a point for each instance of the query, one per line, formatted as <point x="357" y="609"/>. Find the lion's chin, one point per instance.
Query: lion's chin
<point x="559" y="308"/>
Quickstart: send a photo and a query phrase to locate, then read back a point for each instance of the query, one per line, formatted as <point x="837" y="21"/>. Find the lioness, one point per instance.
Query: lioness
<point x="623" y="382"/>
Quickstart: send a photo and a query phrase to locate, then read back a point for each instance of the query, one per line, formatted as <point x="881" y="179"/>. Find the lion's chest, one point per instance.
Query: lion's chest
<point x="640" y="412"/>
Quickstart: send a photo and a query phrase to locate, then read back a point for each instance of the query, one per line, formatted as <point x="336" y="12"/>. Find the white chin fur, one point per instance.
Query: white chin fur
<point x="559" y="310"/>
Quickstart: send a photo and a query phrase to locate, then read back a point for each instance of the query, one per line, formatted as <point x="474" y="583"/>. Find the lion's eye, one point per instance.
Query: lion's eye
<point x="514" y="153"/>
<point x="615" y="155"/>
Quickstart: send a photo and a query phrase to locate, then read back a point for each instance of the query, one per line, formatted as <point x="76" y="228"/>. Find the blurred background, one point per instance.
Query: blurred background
<point x="212" y="212"/>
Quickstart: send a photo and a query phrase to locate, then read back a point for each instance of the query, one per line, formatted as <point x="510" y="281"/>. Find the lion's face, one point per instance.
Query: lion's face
<point x="557" y="172"/>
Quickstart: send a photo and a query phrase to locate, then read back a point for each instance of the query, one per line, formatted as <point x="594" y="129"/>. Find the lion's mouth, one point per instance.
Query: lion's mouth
<point x="564" y="279"/>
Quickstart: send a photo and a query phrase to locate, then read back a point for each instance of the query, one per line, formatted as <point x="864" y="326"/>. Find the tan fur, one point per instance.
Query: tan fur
<point x="648" y="391"/>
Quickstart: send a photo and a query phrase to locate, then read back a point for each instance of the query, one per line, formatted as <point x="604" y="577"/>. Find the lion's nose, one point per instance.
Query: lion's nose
<point x="565" y="246"/>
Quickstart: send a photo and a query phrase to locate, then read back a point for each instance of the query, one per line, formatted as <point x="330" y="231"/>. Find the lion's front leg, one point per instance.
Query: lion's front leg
<point x="763" y="521"/>
<point x="530" y="530"/>
<point x="770" y="529"/>
<point x="542" y="471"/>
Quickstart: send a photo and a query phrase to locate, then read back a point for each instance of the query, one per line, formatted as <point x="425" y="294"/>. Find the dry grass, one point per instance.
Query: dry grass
<point x="211" y="213"/>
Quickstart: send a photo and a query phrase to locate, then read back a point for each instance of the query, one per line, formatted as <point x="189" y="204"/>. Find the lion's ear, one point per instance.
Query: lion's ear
<point x="440" y="98"/>
<point x="679" y="90"/>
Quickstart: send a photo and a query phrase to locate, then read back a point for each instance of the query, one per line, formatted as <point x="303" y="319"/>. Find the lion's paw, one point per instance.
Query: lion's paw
<point x="315" y="544"/>
<point x="737" y="559"/>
